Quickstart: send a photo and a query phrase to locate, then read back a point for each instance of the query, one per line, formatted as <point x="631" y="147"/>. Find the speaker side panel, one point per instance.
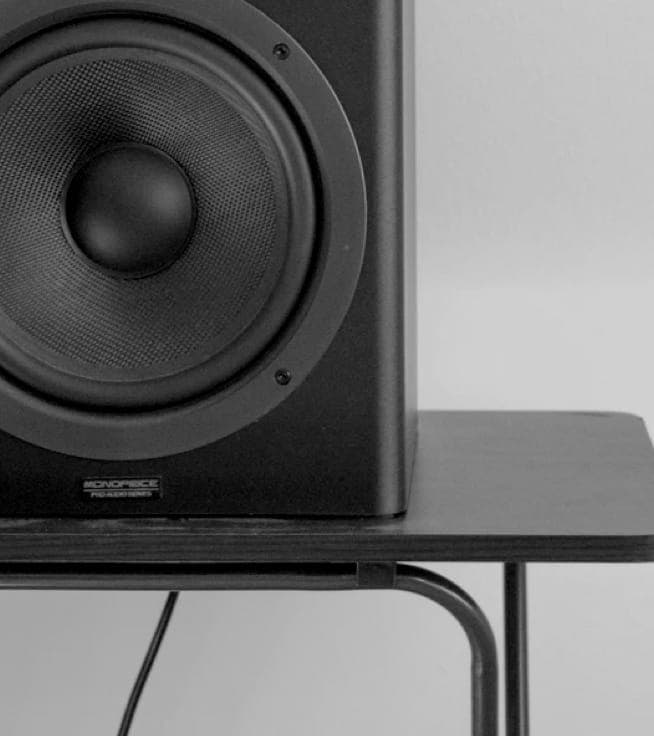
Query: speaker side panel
<point x="410" y="239"/>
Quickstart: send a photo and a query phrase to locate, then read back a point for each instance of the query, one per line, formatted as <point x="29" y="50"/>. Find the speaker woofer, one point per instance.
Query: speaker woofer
<point x="188" y="322"/>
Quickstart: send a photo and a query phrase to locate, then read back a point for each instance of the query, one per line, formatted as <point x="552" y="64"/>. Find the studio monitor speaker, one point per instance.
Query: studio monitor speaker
<point x="206" y="257"/>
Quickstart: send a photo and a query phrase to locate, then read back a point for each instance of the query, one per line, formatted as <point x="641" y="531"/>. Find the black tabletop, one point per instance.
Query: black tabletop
<point x="488" y="486"/>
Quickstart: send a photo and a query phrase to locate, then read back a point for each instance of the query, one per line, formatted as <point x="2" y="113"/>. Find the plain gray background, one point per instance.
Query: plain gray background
<point x="536" y="145"/>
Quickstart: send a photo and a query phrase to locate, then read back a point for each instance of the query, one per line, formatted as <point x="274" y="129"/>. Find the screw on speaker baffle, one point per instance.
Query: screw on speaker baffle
<point x="283" y="377"/>
<point x="282" y="51"/>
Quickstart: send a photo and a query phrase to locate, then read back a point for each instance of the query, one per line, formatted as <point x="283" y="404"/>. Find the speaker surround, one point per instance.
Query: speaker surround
<point x="195" y="227"/>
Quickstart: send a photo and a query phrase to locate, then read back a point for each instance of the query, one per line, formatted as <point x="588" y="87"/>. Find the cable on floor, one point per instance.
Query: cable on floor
<point x="148" y="662"/>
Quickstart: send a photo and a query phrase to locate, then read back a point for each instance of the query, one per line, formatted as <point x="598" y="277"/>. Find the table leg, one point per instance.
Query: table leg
<point x="479" y="633"/>
<point x="354" y="576"/>
<point x="516" y="649"/>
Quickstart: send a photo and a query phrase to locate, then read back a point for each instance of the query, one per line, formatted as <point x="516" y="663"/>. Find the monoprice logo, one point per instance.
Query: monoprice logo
<point x="122" y="488"/>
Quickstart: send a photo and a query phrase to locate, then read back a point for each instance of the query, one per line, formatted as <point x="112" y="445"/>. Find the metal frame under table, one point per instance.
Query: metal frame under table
<point x="512" y="488"/>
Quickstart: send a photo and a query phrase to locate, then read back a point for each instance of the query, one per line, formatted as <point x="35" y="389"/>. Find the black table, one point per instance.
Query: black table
<point x="504" y="487"/>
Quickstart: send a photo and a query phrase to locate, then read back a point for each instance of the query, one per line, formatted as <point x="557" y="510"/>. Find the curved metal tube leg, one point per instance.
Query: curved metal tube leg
<point x="355" y="576"/>
<point x="479" y="633"/>
<point x="517" y="659"/>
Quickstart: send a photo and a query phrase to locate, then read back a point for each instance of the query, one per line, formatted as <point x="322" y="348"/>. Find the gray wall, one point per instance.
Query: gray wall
<point x="536" y="273"/>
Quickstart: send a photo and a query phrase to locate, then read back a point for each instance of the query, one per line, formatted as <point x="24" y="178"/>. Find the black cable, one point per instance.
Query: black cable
<point x="146" y="667"/>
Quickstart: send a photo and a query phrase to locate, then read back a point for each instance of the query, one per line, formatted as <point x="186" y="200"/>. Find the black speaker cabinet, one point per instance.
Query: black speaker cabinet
<point x="206" y="257"/>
